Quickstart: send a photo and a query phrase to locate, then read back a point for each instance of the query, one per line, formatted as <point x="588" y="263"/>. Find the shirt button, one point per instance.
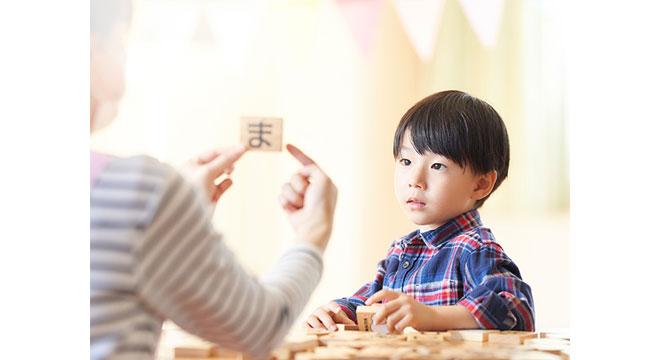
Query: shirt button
<point x="406" y="264"/>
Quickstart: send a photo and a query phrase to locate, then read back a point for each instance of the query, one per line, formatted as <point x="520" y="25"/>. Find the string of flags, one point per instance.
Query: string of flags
<point x="233" y="23"/>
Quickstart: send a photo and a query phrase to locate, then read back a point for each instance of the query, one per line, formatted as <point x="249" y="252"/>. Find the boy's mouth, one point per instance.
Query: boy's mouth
<point x="415" y="203"/>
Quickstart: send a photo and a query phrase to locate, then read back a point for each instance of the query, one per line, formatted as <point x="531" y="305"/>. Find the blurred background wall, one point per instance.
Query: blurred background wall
<point x="195" y="66"/>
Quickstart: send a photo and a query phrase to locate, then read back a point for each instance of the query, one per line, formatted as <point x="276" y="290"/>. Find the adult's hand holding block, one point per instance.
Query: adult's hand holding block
<point x="309" y="200"/>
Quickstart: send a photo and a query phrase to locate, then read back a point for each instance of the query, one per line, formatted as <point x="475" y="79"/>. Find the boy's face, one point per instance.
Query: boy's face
<point x="431" y="188"/>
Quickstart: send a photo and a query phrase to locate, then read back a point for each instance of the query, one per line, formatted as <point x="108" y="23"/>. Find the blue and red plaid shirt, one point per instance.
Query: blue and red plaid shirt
<point x="456" y="263"/>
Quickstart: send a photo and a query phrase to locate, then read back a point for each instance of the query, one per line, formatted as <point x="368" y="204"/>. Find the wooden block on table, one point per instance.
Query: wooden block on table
<point x="510" y="337"/>
<point x="555" y="335"/>
<point x="225" y="354"/>
<point x="365" y="314"/>
<point x="470" y="335"/>
<point x="192" y="352"/>
<point x="302" y="343"/>
<point x="347" y="327"/>
<point x="534" y="355"/>
<point x="261" y="133"/>
<point x="553" y="346"/>
<point x="317" y="332"/>
<point x="374" y="353"/>
<point x="337" y="352"/>
<point x="426" y="337"/>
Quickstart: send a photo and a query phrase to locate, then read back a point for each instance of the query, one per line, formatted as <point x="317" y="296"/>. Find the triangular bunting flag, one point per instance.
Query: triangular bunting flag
<point x="420" y="19"/>
<point x="362" y="17"/>
<point x="485" y="17"/>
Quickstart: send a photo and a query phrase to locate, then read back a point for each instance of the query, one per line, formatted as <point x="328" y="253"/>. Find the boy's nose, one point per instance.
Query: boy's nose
<point x="416" y="181"/>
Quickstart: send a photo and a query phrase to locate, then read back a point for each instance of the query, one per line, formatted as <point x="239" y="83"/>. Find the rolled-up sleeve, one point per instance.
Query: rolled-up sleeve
<point x="350" y="304"/>
<point x="497" y="296"/>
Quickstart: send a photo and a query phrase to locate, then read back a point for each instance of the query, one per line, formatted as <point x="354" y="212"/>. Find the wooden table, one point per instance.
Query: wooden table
<point x="449" y="345"/>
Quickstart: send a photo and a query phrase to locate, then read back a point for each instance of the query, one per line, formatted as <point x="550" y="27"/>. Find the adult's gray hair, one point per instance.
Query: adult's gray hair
<point x="106" y="14"/>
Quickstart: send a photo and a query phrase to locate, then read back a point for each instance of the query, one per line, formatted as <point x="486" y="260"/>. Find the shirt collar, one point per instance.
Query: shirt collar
<point x="436" y="237"/>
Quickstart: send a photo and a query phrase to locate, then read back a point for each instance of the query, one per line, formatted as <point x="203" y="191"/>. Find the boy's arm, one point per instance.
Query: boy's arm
<point x="498" y="297"/>
<point x="349" y="304"/>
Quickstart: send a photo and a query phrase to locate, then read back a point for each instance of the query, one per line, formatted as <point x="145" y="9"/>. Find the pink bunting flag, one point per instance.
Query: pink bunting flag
<point x="485" y="17"/>
<point x="421" y="20"/>
<point x="362" y="17"/>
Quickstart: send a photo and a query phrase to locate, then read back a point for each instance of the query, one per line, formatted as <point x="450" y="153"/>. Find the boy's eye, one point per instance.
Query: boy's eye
<point x="437" y="166"/>
<point x="405" y="162"/>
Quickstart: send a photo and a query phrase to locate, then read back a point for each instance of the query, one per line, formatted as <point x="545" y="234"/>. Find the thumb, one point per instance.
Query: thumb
<point x="341" y="318"/>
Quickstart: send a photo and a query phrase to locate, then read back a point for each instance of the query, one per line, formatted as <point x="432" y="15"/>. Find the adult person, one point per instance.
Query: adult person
<point x="154" y="254"/>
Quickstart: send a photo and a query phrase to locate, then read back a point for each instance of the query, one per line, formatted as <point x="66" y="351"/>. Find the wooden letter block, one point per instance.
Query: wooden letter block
<point x="317" y="332"/>
<point x="364" y="316"/>
<point x="510" y="337"/>
<point x="347" y="327"/>
<point x="261" y="133"/>
<point x="191" y="352"/>
<point x="470" y="335"/>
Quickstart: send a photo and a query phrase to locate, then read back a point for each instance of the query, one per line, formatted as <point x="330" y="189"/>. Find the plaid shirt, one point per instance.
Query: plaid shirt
<point x="456" y="263"/>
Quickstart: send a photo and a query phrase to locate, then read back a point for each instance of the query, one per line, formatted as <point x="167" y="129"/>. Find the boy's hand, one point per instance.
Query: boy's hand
<point x="205" y="169"/>
<point x="400" y="311"/>
<point x="309" y="199"/>
<point x="327" y="316"/>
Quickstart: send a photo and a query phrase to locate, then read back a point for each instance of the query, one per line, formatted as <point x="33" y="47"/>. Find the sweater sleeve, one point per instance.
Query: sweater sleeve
<point x="186" y="273"/>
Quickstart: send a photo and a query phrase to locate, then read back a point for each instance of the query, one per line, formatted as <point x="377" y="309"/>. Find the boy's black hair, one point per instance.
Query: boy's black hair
<point x="460" y="127"/>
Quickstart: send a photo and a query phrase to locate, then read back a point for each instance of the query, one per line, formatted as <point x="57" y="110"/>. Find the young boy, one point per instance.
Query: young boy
<point x="452" y="152"/>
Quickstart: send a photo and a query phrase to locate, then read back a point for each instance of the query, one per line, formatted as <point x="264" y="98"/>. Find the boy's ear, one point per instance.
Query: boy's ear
<point x="484" y="185"/>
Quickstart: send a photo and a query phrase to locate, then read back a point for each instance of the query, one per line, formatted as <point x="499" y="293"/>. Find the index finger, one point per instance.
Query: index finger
<point x="380" y="296"/>
<point x="299" y="155"/>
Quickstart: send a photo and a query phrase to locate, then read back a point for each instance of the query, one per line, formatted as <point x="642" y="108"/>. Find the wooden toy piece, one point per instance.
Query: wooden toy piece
<point x="301" y="343"/>
<point x="470" y="335"/>
<point x="311" y="331"/>
<point x="225" y="354"/>
<point x="192" y="352"/>
<point x="534" y="355"/>
<point x="347" y="327"/>
<point x="374" y="352"/>
<point x="261" y="133"/>
<point x="553" y="346"/>
<point x="426" y="337"/>
<point x="336" y="352"/>
<point x="510" y="337"/>
<point x="555" y="335"/>
<point x="365" y="314"/>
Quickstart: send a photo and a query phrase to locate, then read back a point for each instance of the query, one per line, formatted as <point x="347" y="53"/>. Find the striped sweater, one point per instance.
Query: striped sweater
<point x="154" y="255"/>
